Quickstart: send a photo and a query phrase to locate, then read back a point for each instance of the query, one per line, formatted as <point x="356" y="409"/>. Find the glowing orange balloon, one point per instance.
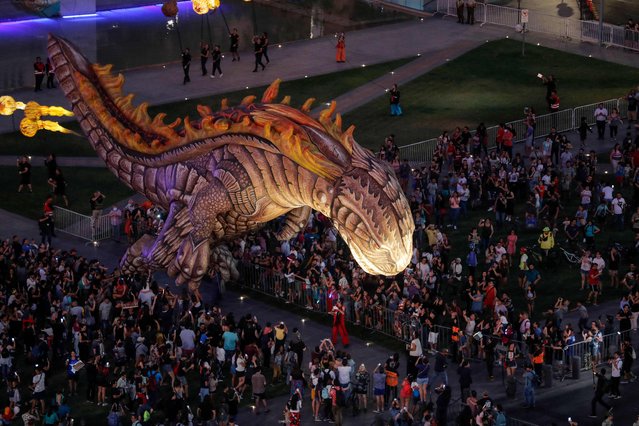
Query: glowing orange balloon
<point x="8" y="105"/>
<point x="170" y="8"/>
<point x="201" y="7"/>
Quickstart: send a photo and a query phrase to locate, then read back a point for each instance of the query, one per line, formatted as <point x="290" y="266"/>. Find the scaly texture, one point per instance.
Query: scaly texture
<point x="228" y="172"/>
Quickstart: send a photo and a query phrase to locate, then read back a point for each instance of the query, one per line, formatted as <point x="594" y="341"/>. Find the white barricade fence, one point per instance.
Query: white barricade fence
<point x="587" y="31"/>
<point x="82" y="226"/>
<point x="499" y="15"/>
<point x="588" y="111"/>
<point x="563" y="121"/>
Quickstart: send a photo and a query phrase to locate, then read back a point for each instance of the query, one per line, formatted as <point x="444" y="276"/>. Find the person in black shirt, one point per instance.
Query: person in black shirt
<point x="216" y="56"/>
<point x="257" y="49"/>
<point x="59" y="185"/>
<point x="231" y="400"/>
<point x="24" y="170"/>
<point x="96" y="205"/>
<point x="551" y="86"/>
<point x="204" y="56"/>
<point x="396" y="109"/>
<point x="264" y="40"/>
<point x="186" y="64"/>
<point x="489" y="351"/>
<point x="235" y="42"/>
<point x="600" y="390"/>
<point x="624" y="316"/>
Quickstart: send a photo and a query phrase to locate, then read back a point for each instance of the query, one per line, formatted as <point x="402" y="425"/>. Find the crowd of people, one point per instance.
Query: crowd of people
<point x="568" y="199"/>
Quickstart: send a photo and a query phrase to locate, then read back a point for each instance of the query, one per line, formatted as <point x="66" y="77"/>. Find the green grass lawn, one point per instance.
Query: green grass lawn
<point x="324" y="88"/>
<point x="81" y="182"/>
<point x="492" y="83"/>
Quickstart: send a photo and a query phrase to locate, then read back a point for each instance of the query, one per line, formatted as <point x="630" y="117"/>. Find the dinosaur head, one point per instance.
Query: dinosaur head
<point x="371" y="213"/>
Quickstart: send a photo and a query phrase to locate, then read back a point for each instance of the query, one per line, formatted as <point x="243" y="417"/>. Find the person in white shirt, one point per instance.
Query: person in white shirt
<point x="38" y="385"/>
<point x="601" y="116"/>
<point x="607" y="193"/>
<point x="500" y="250"/>
<point x="188" y="341"/>
<point x="344" y="374"/>
<point x="615" y="375"/>
<point x="618" y="207"/>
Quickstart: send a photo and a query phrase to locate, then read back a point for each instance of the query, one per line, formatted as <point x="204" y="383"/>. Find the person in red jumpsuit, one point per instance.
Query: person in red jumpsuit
<point x="339" y="324"/>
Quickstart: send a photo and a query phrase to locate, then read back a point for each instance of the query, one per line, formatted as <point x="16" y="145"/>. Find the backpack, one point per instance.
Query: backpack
<point x="326" y="392"/>
<point x="113" y="419"/>
<point x="152" y="384"/>
<point x="340" y="397"/>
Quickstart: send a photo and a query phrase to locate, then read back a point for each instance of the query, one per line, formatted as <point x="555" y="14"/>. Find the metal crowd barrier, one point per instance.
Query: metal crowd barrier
<point x="590" y="356"/>
<point x="82" y="226"/>
<point x="396" y="324"/>
<point x="587" y="31"/>
<point x="563" y="121"/>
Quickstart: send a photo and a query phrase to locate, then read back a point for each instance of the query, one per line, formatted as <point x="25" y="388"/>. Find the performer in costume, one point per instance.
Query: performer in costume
<point x="339" y="324"/>
<point x="340" y="55"/>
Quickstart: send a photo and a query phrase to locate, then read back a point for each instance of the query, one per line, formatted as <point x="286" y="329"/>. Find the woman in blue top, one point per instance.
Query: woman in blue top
<point x="379" y="388"/>
<point x="423" y="370"/>
<point x="72" y="375"/>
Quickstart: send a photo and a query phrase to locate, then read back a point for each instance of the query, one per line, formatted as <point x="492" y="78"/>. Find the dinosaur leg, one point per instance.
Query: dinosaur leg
<point x="192" y="260"/>
<point x="294" y="222"/>
<point x="134" y="260"/>
<point x="156" y="253"/>
<point x="223" y="258"/>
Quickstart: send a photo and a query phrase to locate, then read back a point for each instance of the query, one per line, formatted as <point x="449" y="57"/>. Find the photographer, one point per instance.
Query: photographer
<point x="441" y="414"/>
<point x="441" y="364"/>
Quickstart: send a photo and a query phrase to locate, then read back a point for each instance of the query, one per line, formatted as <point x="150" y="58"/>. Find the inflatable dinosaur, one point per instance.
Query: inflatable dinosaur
<point x="229" y="172"/>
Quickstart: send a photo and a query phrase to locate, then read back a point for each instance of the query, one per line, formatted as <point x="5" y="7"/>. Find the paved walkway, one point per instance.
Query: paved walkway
<point x="435" y="37"/>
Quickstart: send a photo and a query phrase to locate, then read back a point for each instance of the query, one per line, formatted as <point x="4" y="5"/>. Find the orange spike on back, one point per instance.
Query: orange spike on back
<point x="286" y="100"/>
<point x="347" y="139"/>
<point x="248" y="100"/>
<point x="204" y="111"/>
<point x="338" y="122"/>
<point x="271" y="93"/>
<point x="325" y="115"/>
<point x="306" y="108"/>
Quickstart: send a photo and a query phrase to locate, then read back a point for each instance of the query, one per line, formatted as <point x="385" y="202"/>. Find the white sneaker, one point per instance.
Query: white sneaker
<point x="212" y="76"/>
<point x="221" y="74"/>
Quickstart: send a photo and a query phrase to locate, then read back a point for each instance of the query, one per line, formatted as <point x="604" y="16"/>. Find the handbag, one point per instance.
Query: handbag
<point x="432" y="337"/>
